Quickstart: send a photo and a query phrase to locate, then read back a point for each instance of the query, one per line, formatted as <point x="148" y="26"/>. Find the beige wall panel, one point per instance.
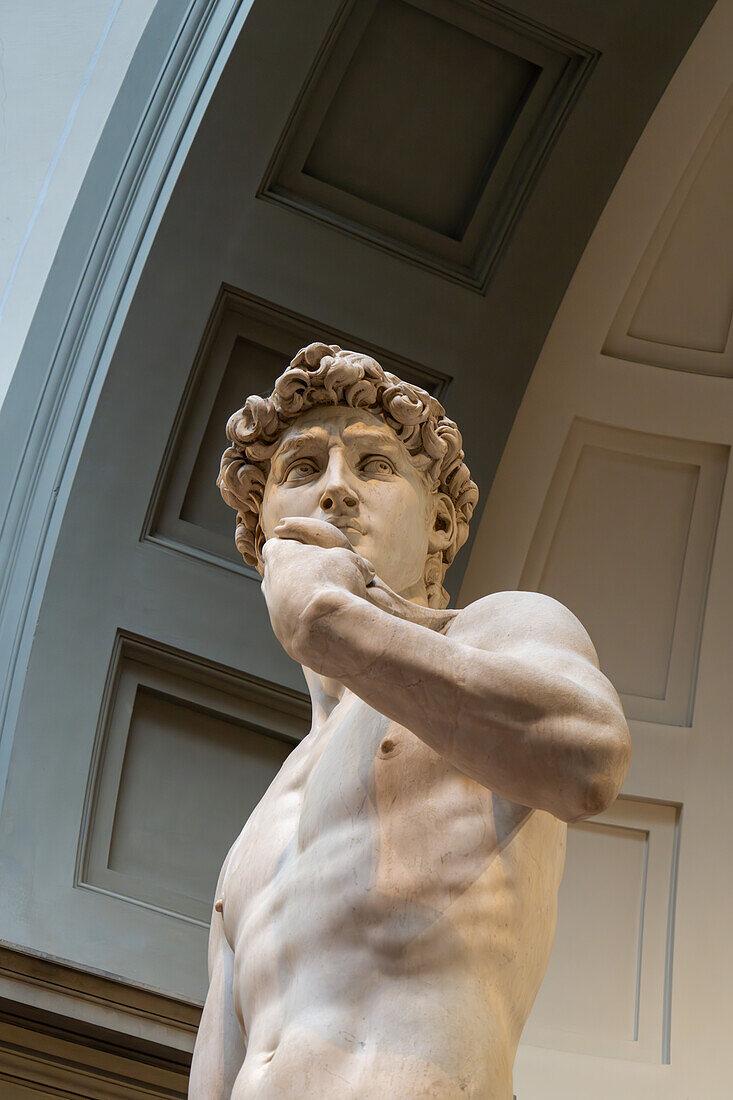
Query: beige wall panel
<point x="678" y="309"/>
<point x="624" y="540"/>
<point x="592" y="983"/>
<point x="606" y="987"/>
<point x="617" y="556"/>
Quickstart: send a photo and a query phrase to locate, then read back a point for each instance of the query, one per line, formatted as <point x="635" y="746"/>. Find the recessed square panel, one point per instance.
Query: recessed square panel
<point x="422" y="126"/>
<point x="189" y="781"/>
<point x="678" y="309"/>
<point x="251" y="367"/>
<point x="599" y="932"/>
<point x="607" y="987"/>
<point x="451" y="100"/>
<point x="249" y="345"/>
<point x="636" y="510"/>
<point x="625" y="540"/>
<point x="185" y="752"/>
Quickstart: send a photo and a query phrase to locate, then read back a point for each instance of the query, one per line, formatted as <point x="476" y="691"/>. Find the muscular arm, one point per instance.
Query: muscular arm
<point x="220" y="1049"/>
<point x="511" y="694"/>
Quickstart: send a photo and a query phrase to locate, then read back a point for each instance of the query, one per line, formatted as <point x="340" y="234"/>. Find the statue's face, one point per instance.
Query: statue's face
<point x="347" y="467"/>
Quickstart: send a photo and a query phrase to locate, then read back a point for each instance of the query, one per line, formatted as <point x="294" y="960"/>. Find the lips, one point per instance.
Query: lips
<point x="345" y="523"/>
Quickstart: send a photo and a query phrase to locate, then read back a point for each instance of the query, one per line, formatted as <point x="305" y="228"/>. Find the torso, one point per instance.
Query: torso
<point x="391" y="921"/>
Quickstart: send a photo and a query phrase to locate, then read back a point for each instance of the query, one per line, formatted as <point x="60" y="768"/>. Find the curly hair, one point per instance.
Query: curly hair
<point x="324" y="374"/>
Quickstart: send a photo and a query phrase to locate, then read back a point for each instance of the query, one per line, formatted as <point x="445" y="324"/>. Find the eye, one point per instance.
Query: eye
<point x="377" y="466"/>
<point x="300" y="470"/>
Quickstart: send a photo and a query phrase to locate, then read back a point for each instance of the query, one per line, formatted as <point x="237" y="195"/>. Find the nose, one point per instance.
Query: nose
<point x="337" y="496"/>
<point x="338" y="493"/>
<point x="332" y="497"/>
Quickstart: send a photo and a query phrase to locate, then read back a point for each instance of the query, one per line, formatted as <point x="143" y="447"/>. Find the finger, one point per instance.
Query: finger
<point x="267" y="549"/>
<point x="383" y="597"/>
<point x="368" y="570"/>
<point x="385" y="601"/>
<point x="270" y="550"/>
<point x="313" y="531"/>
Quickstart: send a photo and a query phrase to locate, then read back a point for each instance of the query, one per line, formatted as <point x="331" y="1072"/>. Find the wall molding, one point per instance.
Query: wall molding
<point x="656" y="825"/>
<point x="73" y="1032"/>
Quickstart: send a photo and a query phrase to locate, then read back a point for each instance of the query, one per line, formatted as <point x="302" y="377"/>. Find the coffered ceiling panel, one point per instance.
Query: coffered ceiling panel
<point x="371" y="164"/>
<point x="453" y="96"/>
<point x="423" y="125"/>
<point x="248" y="344"/>
<point x="678" y="309"/>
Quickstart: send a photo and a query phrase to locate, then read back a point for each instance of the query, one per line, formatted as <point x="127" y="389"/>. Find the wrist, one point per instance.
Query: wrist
<point x="317" y="641"/>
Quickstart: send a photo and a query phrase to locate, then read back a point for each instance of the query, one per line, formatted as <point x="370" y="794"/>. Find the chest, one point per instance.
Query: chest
<point x="374" y="804"/>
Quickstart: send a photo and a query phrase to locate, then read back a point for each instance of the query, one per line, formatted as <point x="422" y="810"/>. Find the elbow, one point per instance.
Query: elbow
<point x="597" y="795"/>
<point x="602" y="775"/>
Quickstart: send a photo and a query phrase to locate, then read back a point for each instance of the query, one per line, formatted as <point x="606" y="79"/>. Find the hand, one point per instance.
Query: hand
<point x="316" y="532"/>
<point x="308" y="563"/>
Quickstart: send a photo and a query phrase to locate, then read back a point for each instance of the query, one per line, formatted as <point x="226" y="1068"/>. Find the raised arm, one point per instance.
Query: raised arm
<point x="511" y="695"/>
<point x="510" y="692"/>
<point x="220" y="1049"/>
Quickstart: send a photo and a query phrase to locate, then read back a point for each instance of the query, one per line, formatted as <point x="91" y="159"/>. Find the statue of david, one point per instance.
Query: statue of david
<point x="383" y="922"/>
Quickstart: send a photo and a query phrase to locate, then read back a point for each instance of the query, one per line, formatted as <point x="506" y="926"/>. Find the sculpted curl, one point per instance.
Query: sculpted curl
<point x="323" y="374"/>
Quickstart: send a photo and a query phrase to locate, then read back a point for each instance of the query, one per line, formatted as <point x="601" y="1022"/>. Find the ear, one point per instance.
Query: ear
<point x="259" y="541"/>
<point x="444" y="524"/>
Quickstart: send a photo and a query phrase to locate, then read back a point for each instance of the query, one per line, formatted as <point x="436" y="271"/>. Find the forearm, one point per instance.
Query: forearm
<point x="530" y="734"/>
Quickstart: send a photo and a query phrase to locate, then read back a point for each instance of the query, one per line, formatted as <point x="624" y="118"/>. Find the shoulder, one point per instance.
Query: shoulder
<point x="521" y="619"/>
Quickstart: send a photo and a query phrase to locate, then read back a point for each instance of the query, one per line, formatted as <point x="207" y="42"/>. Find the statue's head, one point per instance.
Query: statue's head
<point x="341" y="440"/>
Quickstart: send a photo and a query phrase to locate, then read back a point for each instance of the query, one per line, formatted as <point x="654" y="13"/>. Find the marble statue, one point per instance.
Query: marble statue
<point x="383" y="922"/>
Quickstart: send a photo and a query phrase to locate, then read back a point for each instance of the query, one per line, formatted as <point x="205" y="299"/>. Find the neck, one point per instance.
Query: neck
<point x="416" y="593"/>
<point x="326" y="693"/>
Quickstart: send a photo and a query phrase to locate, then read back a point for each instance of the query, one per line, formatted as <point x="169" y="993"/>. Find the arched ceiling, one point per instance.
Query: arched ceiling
<point x="62" y="66"/>
<point x="420" y="175"/>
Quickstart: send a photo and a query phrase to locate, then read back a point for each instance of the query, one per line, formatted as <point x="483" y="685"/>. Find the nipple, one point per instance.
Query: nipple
<point x="388" y="747"/>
